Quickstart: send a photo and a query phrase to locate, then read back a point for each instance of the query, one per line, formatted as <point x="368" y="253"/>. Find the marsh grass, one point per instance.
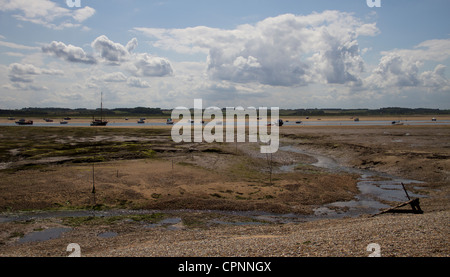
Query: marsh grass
<point x="41" y="145"/>
<point x="110" y="220"/>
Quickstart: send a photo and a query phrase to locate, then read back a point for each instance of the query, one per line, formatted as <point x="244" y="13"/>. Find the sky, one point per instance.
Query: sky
<point x="251" y="53"/>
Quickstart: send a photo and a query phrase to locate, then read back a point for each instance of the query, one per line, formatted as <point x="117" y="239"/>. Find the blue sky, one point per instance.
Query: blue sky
<point x="283" y="53"/>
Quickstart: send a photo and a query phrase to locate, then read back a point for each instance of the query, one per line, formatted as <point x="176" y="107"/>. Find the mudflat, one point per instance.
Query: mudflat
<point x="154" y="197"/>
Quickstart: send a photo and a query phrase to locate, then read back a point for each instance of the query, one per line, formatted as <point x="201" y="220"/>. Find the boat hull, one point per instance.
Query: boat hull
<point x="99" y="123"/>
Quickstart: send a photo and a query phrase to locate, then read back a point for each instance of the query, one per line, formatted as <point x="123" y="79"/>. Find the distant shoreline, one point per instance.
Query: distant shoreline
<point x="162" y="119"/>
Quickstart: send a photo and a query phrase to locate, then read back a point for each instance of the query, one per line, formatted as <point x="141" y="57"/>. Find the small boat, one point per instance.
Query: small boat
<point x="397" y="123"/>
<point x="169" y="121"/>
<point x="63" y="122"/>
<point x="279" y="123"/>
<point x="99" y="122"/>
<point x="24" y="122"/>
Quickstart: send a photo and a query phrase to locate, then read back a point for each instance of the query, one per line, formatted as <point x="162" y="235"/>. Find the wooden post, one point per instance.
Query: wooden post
<point x="414" y="203"/>
<point x="93" y="183"/>
<point x="405" y="191"/>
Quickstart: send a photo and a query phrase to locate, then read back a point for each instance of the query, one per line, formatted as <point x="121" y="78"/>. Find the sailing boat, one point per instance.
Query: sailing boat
<point x="99" y="122"/>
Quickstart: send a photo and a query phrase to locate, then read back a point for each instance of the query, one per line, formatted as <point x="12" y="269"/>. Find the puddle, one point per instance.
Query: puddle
<point x="172" y="220"/>
<point x="48" y="234"/>
<point x="172" y="223"/>
<point x="374" y="188"/>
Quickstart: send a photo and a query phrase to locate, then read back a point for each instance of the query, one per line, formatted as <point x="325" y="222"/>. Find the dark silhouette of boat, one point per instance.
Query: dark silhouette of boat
<point x="99" y="122"/>
<point x="24" y="122"/>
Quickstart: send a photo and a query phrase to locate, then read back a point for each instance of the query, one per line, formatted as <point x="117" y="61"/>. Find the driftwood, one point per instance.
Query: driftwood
<point x="415" y="208"/>
<point x="414" y="203"/>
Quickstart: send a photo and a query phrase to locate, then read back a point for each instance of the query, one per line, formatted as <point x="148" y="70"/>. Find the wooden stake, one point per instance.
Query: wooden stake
<point x="93" y="182"/>
<point x="405" y="191"/>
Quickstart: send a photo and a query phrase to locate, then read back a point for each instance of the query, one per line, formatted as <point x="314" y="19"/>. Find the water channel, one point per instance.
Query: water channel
<point x="374" y="188"/>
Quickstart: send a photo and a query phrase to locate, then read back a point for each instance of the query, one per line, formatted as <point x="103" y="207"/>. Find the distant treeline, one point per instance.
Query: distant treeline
<point x="363" y="112"/>
<point x="144" y="111"/>
<point x="64" y="112"/>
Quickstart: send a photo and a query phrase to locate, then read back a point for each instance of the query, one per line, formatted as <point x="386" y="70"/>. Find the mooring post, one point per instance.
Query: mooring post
<point x="405" y="191"/>
<point x="93" y="182"/>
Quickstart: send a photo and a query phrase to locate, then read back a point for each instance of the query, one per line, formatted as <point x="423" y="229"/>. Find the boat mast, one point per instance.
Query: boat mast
<point x="101" y="106"/>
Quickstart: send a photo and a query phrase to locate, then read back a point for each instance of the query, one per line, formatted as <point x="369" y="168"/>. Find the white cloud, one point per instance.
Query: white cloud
<point x="17" y="46"/>
<point x="146" y="65"/>
<point x="110" y="51"/>
<point x="131" y="45"/>
<point x="47" y="13"/>
<point x="402" y="67"/>
<point x="138" y="64"/>
<point x="114" y="77"/>
<point x="68" y="52"/>
<point x="285" y="50"/>
<point x="81" y="15"/>
<point x="24" y="72"/>
<point x="137" y="82"/>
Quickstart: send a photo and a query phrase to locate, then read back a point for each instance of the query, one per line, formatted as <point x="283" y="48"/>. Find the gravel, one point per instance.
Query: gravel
<point x="405" y="235"/>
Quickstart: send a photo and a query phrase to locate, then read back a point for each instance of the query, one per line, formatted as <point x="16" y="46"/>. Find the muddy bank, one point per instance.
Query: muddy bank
<point x="213" y="194"/>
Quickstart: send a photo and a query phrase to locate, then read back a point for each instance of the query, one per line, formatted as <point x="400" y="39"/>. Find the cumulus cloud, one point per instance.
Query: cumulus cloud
<point x="137" y="82"/>
<point x="145" y="65"/>
<point x="110" y="51"/>
<point x="114" y="77"/>
<point x="131" y="45"/>
<point x="68" y="52"/>
<point x="47" y="13"/>
<point x="402" y="67"/>
<point x="24" y="72"/>
<point x="285" y="50"/>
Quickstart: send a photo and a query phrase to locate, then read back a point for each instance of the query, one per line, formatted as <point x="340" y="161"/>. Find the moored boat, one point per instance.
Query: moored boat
<point x="397" y="123"/>
<point x="24" y="122"/>
<point x="99" y="122"/>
